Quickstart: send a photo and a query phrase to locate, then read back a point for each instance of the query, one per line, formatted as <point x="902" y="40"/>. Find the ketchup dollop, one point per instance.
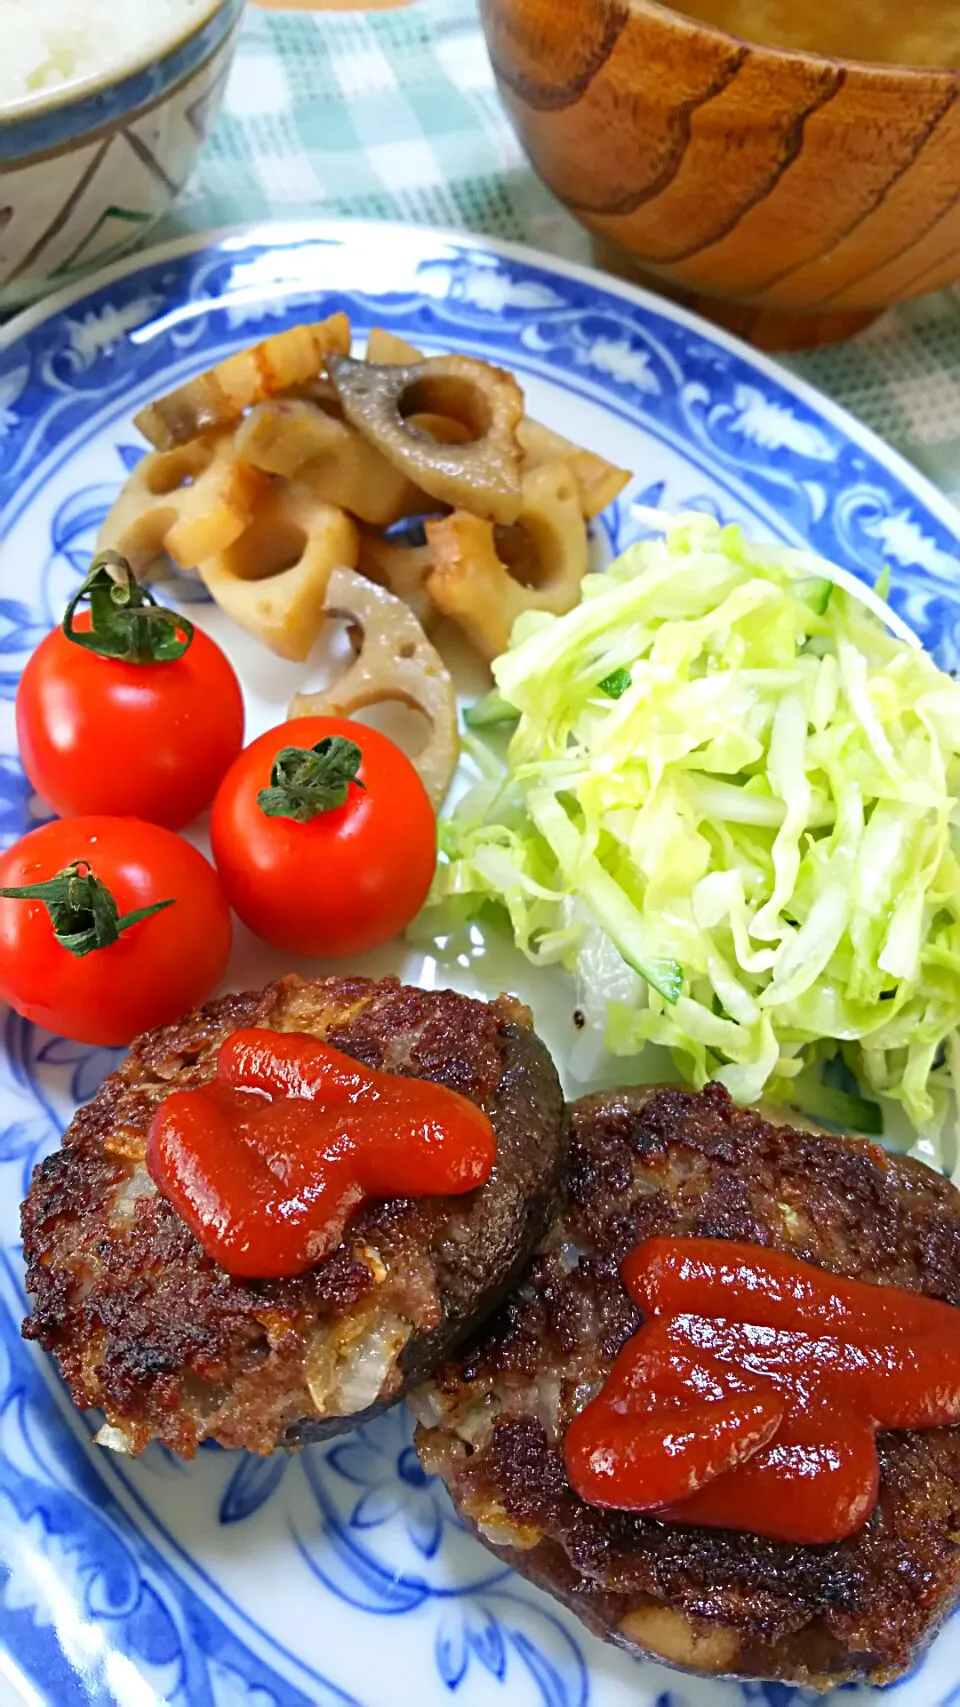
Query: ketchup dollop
<point x="268" y="1162"/>
<point x="752" y="1395"/>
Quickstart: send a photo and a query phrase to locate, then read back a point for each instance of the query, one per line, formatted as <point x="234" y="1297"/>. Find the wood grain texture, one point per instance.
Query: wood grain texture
<point x="766" y="187"/>
<point x="331" y="5"/>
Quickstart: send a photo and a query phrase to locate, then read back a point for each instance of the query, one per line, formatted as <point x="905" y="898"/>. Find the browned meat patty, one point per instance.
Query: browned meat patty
<point x="716" y="1601"/>
<point x="145" y="1325"/>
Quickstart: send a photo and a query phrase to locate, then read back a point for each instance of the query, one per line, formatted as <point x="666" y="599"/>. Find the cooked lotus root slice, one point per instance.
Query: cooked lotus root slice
<point x="288" y="361"/>
<point x="292" y="436"/>
<point x="387" y="349"/>
<point x="191" y="503"/>
<point x="482" y="475"/>
<point x="403" y="570"/>
<point x="273" y="579"/>
<point x="442" y="429"/>
<point x="394" y="661"/>
<point x="473" y="584"/>
<point x="598" y="481"/>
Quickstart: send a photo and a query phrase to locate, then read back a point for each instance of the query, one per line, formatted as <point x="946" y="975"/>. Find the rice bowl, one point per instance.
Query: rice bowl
<point x="57" y="44"/>
<point x="96" y="140"/>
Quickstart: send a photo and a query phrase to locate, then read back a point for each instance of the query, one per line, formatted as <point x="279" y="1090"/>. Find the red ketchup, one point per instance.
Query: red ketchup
<point x="752" y="1395"/>
<point x="267" y="1162"/>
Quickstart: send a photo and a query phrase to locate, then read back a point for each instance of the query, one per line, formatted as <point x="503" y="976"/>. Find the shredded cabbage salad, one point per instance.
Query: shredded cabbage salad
<point x="729" y="805"/>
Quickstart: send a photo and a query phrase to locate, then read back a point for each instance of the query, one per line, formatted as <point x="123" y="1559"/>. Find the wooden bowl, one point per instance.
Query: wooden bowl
<point x="787" y="196"/>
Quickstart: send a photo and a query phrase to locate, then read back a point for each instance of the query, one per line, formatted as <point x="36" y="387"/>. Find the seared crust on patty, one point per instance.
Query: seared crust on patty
<point x="145" y="1325"/>
<point x="717" y="1601"/>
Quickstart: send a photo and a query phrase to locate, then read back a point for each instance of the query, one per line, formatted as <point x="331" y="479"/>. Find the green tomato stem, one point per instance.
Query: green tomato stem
<point x="82" y="910"/>
<point x="306" y="781"/>
<point x="125" y="620"/>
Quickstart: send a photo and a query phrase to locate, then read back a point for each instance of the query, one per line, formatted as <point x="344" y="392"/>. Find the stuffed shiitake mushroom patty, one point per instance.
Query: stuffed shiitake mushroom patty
<point x="670" y="1164"/>
<point x="145" y="1325"/>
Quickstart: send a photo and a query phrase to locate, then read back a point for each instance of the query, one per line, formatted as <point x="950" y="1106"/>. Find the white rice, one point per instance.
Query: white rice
<point x="48" y="43"/>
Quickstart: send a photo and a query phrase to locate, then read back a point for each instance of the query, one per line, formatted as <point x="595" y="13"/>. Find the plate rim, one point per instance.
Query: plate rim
<point x="277" y="233"/>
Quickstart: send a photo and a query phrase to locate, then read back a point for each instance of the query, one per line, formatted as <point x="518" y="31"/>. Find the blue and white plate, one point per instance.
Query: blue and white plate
<point x="343" y="1576"/>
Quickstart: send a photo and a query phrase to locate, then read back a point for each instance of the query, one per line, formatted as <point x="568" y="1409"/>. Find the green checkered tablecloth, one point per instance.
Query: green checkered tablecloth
<point x="394" y="115"/>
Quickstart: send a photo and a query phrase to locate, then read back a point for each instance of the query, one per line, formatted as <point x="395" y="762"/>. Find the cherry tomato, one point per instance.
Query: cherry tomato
<point x="349" y="876"/>
<point x="120" y="734"/>
<point x="153" y="971"/>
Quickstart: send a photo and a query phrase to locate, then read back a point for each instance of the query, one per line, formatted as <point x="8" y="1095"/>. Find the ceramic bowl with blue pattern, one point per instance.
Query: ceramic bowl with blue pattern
<point x="88" y="167"/>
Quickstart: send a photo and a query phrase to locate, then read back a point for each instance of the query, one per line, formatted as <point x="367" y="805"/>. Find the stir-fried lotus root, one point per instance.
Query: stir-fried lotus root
<point x="598" y="481"/>
<point x="386" y="349"/>
<point x="403" y="570"/>
<point x="287" y="362"/>
<point x="290" y="459"/>
<point x="191" y="503"/>
<point x="273" y="579"/>
<point x="393" y="660"/>
<point x="482" y="474"/>
<point x="485" y="577"/>
<point x="294" y="436"/>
